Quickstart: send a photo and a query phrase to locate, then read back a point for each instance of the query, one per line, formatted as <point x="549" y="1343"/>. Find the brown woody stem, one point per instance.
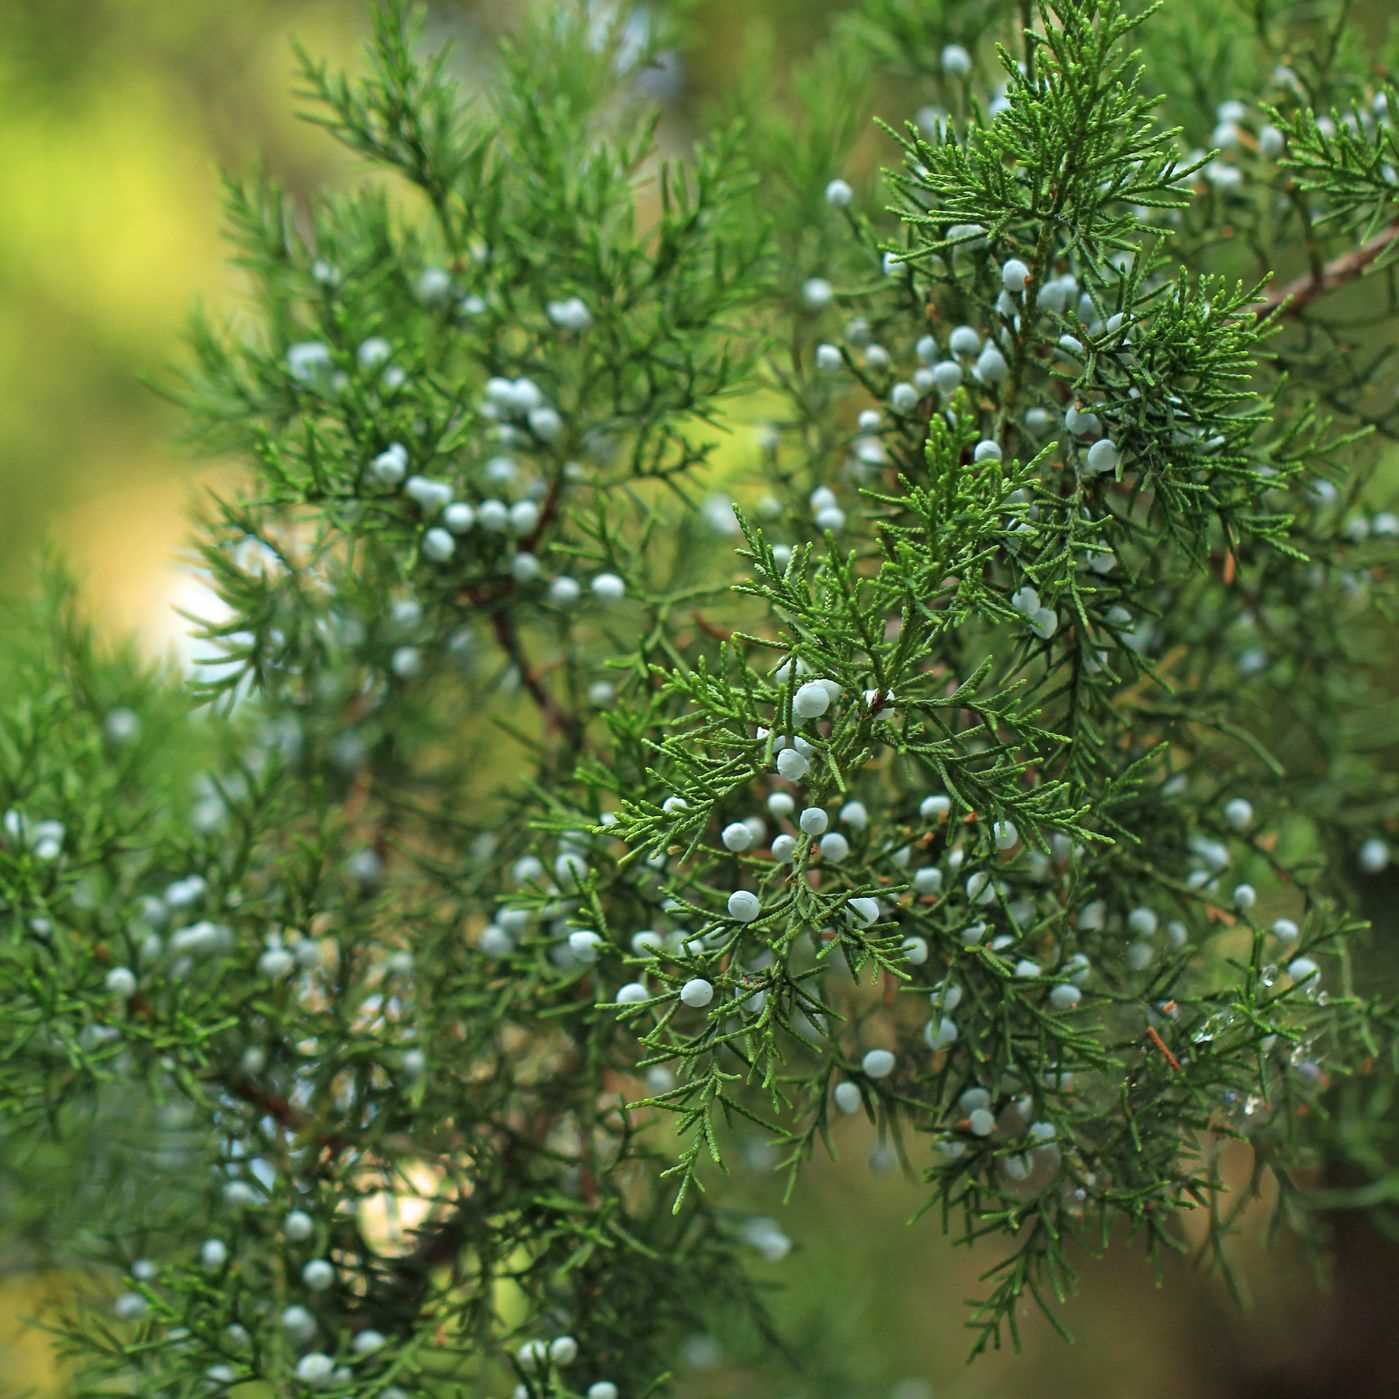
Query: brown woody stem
<point x="1294" y="297"/>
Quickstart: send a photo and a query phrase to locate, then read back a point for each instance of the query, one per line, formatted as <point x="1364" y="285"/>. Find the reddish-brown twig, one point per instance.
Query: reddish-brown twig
<point x="1294" y="297"/>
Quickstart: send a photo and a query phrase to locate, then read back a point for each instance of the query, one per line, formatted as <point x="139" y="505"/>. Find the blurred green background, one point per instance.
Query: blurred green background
<point x="117" y="116"/>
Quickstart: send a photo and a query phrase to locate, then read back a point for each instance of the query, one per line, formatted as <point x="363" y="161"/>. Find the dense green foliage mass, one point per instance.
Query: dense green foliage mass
<point x="544" y="829"/>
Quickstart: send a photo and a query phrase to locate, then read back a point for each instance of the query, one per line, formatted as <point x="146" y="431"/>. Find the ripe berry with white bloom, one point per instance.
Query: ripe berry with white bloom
<point x="318" y="1275"/>
<point x="391" y="465"/>
<point x="1081" y="423"/>
<point x="1014" y="275"/>
<point x="878" y="1063"/>
<point x="214" y="1254"/>
<point x="493" y="515"/>
<point x="121" y="982"/>
<point x="863" y="911"/>
<point x="781" y="804"/>
<point x="525" y="568"/>
<point x="430" y="496"/>
<point x="834" y="847"/>
<point x="1239" y="813"/>
<point x="524" y="516"/>
<point x="792" y="765"/>
<point x="239" y="1194"/>
<point x="546" y="424"/>
<point x="299" y="1324"/>
<point x="847" y="1096"/>
<point x="987" y="451"/>
<point x="608" y="587"/>
<point x="496" y="942"/>
<point x="903" y="398"/>
<point x="1006" y="835"/>
<point x="915" y="950"/>
<point x="1025" y="600"/>
<point x="829" y="359"/>
<point x="1103" y="455"/>
<point x="956" y="61"/>
<point x="433" y="285"/>
<point x="584" y="945"/>
<point x="940" y="1034"/>
<point x="315" y="1369"/>
<point x="982" y="1122"/>
<point x="570" y="314"/>
<point x="697" y="993"/>
<point x="130" y="1306"/>
<point x="1301" y="968"/>
<point x="632" y="993"/>
<point x="438" y="544"/>
<point x="459" y="517"/>
<point x="527" y="869"/>
<point x="308" y="360"/>
<point x="276" y="963"/>
<point x="563" y="1350"/>
<point x="934" y="809"/>
<point x="564" y="591"/>
<point x="533" y="1355"/>
<point x="811" y="700"/>
<point x="784" y="847"/>
<point x="298" y="1226"/>
<point x="736" y="836"/>
<point x="1141" y="921"/>
<point x="854" y="815"/>
<point x="603" y="1389"/>
<point x="122" y="725"/>
<point x="947" y="375"/>
<point x="1374" y="856"/>
<point x="1044" y="622"/>
<point x="814" y="821"/>
<point x="406" y="662"/>
<point x="928" y="881"/>
<point x="1065" y="996"/>
<point x="964" y="341"/>
<point x="744" y="905"/>
<point x="817" y="293"/>
<point x="991" y="365"/>
<point x="1244" y="897"/>
<point x="839" y="194"/>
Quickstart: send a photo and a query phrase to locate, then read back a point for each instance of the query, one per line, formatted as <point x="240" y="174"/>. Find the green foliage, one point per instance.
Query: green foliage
<point x="518" y="858"/>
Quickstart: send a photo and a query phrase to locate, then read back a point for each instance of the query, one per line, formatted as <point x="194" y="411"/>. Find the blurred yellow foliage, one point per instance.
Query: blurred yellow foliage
<point x="110" y="186"/>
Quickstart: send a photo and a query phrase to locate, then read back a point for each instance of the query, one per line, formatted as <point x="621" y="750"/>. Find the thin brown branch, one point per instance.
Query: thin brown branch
<point x="554" y="717"/>
<point x="1294" y="297"/>
<point x="287" y="1115"/>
